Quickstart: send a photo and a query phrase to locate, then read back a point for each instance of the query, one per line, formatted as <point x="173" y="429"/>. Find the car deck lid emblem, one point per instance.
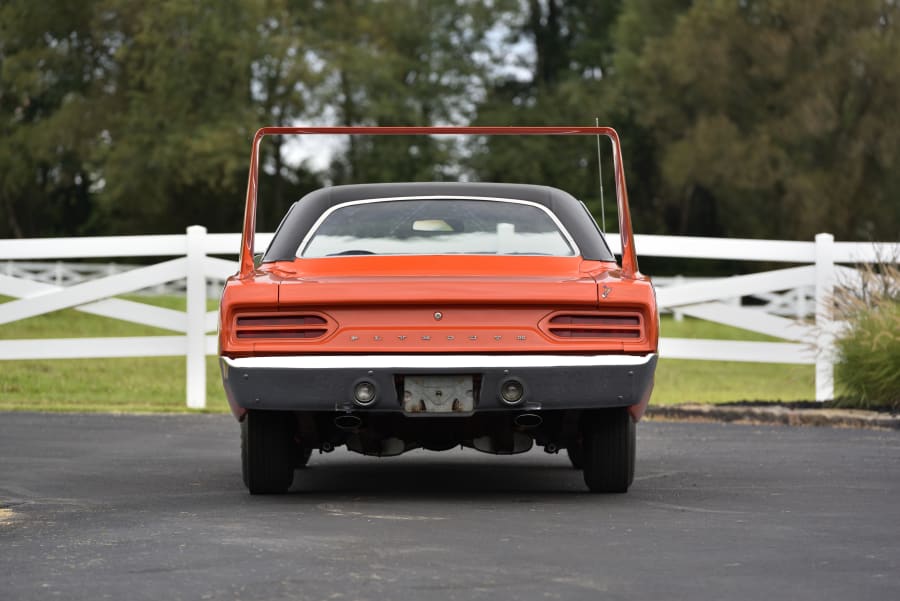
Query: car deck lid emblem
<point x="438" y="315"/>
<point x="606" y="291"/>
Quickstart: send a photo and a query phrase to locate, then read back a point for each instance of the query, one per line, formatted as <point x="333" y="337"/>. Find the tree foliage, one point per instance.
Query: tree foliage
<point x="400" y="63"/>
<point x="49" y="66"/>
<point x="567" y="73"/>
<point x="770" y="117"/>
<point x="753" y="118"/>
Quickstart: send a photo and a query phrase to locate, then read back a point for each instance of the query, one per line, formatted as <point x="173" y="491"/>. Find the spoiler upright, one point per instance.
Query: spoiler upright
<point x="629" y="258"/>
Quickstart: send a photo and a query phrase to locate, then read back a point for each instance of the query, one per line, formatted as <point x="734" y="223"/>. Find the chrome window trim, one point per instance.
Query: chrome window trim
<point x="428" y="361"/>
<point x="306" y="239"/>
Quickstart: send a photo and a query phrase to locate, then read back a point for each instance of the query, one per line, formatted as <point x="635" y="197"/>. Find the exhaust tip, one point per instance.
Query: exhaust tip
<point x="347" y="422"/>
<point x="528" y="420"/>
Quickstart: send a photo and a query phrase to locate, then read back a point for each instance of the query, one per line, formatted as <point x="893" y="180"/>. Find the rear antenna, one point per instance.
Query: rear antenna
<point x="600" y="169"/>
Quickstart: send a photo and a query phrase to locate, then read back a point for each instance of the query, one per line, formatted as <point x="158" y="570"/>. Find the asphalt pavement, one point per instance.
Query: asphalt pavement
<point x="152" y="507"/>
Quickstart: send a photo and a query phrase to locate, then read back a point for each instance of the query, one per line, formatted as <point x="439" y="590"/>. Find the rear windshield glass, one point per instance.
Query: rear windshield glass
<point x="437" y="227"/>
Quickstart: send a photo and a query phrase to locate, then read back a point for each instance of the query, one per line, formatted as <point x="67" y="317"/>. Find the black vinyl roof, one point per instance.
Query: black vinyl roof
<point x="571" y="212"/>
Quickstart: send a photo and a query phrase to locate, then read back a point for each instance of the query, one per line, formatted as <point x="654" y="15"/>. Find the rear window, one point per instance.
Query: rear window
<point x="437" y="227"/>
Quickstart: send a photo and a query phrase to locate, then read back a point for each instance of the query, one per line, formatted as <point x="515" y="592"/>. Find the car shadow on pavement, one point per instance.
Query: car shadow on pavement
<point x="439" y="476"/>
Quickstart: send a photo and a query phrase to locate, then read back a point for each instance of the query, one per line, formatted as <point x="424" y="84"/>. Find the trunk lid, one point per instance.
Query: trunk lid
<point x="456" y="280"/>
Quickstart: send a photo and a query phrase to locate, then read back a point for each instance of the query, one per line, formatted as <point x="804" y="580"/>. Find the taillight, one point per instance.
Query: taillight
<point x="595" y="325"/>
<point x="281" y="326"/>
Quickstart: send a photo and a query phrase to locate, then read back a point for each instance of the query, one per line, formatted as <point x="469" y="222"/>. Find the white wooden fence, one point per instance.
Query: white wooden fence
<point x="193" y="265"/>
<point x="710" y="299"/>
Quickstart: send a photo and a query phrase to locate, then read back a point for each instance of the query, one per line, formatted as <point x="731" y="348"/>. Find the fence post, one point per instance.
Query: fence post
<point x="195" y="290"/>
<point x="678" y="281"/>
<point x="824" y="317"/>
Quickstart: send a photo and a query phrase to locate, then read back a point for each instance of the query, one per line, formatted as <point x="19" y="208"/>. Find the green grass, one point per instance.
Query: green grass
<point x="156" y="384"/>
<point x="131" y="384"/>
<point x="689" y="381"/>
<point x="697" y="328"/>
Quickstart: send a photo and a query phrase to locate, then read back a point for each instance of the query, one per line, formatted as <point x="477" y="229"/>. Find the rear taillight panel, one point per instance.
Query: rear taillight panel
<point x="599" y="325"/>
<point x="283" y="326"/>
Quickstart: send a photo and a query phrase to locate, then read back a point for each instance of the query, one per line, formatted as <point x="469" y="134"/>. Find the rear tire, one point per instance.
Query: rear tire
<point x="301" y="456"/>
<point x="266" y="452"/>
<point x="609" y="451"/>
<point x="575" y="451"/>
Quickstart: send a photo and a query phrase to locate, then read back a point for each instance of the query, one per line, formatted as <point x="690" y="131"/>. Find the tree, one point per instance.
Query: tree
<point x="50" y="65"/>
<point x="569" y="59"/>
<point x="284" y="83"/>
<point x="175" y="145"/>
<point x="765" y="118"/>
<point x="401" y="62"/>
<point x="769" y="118"/>
<point x="124" y="117"/>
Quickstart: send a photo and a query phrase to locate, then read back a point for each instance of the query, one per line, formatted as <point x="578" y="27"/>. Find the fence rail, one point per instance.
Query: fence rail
<point x="794" y="302"/>
<point x="788" y="295"/>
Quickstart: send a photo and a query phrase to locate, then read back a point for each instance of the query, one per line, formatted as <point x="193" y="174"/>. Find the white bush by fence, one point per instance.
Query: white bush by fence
<point x="710" y="299"/>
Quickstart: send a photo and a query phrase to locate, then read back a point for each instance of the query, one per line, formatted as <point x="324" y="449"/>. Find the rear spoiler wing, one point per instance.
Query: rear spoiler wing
<point x="629" y="258"/>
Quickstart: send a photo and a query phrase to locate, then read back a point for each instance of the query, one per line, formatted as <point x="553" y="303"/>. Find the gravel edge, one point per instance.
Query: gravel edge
<point x="776" y="415"/>
<point x="688" y="412"/>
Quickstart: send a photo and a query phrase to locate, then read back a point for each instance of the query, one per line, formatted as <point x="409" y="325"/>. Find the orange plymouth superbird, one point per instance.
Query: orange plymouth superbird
<point x="390" y="317"/>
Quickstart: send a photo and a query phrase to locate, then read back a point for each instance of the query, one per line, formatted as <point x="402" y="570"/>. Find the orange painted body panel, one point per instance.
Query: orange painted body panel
<point x="387" y="304"/>
<point x="438" y="265"/>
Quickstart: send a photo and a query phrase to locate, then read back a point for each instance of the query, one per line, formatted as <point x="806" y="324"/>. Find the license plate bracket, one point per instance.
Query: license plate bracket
<point x="438" y="394"/>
